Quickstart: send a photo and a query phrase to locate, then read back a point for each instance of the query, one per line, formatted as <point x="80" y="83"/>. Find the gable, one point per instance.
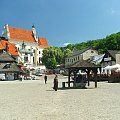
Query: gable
<point x="109" y="56"/>
<point x="80" y="52"/>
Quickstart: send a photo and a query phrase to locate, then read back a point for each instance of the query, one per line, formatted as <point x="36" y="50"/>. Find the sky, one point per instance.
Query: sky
<point x="63" y="22"/>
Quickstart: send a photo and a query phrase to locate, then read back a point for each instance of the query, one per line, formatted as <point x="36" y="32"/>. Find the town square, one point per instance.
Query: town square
<point x="60" y="60"/>
<point x="34" y="100"/>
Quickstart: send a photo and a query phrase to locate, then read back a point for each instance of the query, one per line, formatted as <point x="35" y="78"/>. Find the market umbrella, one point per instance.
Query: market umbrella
<point x="107" y="67"/>
<point x="116" y="66"/>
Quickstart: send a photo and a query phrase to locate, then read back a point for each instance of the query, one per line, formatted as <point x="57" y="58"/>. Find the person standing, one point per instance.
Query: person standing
<point x="45" y="78"/>
<point x="55" y="83"/>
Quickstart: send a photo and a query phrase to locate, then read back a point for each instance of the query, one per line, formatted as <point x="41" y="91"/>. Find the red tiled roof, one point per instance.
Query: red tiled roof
<point x="42" y="42"/>
<point x="1" y="46"/>
<point x="26" y="35"/>
<point x="11" y="47"/>
<point x="21" y="34"/>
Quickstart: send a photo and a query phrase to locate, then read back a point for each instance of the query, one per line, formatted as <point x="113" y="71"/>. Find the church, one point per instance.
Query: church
<point x="28" y="44"/>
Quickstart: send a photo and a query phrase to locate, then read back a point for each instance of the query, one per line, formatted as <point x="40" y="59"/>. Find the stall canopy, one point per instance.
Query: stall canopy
<point x="116" y="66"/>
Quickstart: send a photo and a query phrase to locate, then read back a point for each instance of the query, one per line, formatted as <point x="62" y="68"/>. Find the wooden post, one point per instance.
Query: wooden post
<point x="69" y="77"/>
<point x="88" y="77"/>
<point x="96" y="79"/>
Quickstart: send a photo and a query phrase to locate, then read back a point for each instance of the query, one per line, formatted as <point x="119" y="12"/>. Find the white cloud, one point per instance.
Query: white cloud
<point x="65" y="44"/>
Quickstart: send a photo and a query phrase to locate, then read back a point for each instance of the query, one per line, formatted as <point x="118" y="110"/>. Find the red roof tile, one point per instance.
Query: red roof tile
<point x="21" y="34"/>
<point x="26" y="35"/>
<point x="1" y="46"/>
<point x="11" y="47"/>
<point x="42" y="42"/>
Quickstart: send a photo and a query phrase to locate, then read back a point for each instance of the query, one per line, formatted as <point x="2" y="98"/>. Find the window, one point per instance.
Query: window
<point x="34" y="51"/>
<point x="7" y="65"/>
<point x="39" y="52"/>
<point x="25" y="58"/>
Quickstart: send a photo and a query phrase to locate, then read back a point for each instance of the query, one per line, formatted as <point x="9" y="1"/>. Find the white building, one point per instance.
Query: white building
<point x="79" y="55"/>
<point x="29" y="45"/>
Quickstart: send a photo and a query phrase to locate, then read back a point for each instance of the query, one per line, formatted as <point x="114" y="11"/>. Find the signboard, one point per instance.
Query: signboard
<point x="107" y="59"/>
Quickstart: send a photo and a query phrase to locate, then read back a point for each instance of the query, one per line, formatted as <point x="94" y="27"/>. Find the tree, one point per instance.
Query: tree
<point x="51" y="63"/>
<point x="52" y="56"/>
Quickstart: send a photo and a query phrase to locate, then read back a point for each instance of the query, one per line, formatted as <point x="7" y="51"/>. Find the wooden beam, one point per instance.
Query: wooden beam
<point x="88" y="76"/>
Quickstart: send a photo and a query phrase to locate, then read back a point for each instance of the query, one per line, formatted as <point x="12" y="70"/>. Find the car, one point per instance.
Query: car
<point x="38" y="74"/>
<point x="29" y="78"/>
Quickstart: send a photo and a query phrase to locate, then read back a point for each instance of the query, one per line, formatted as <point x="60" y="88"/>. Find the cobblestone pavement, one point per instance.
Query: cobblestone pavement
<point x="34" y="100"/>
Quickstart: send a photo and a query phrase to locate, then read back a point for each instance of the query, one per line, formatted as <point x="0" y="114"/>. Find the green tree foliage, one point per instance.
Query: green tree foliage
<point x="51" y="63"/>
<point x="52" y="56"/>
<point x="111" y="42"/>
<point x="66" y="53"/>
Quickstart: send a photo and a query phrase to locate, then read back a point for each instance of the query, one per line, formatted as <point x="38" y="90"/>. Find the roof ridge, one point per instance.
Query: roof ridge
<point x="19" y="28"/>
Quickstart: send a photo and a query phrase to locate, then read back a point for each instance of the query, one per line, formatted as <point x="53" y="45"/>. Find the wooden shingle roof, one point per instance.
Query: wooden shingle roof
<point x="113" y="53"/>
<point x="84" y="64"/>
<point x="12" y="67"/>
<point x="6" y="57"/>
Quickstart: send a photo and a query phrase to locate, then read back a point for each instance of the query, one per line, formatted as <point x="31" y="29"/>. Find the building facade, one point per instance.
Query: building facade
<point x="79" y="55"/>
<point x="28" y="44"/>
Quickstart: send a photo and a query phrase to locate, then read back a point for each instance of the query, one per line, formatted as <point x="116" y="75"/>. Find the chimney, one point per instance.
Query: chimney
<point x="34" y="33"/>
<point x="6" y="47"/>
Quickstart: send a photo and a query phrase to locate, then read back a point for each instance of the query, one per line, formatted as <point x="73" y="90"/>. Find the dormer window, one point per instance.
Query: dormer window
<point x="23" y="45"/>
<point x="7" y="65"/>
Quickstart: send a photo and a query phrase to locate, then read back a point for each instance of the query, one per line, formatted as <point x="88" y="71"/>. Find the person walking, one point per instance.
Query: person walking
<point x="55" y="83"/>
<point x="45" y="78"/>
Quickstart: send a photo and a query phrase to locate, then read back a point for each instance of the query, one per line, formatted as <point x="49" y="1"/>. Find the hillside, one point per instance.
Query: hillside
<point x="111" y="42"/>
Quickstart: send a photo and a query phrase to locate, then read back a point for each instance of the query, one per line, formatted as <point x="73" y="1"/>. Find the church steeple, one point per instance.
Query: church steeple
<point x="34" y="33"/>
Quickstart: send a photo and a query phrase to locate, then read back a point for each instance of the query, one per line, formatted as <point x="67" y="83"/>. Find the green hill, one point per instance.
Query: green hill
<point x="111" y="42"/>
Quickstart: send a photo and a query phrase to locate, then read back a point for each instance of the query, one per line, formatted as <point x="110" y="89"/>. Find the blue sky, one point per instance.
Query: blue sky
<point x="63" y="21"/>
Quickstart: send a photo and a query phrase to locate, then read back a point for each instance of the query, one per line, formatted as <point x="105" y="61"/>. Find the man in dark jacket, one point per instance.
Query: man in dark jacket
<point x="45" y="78"/>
